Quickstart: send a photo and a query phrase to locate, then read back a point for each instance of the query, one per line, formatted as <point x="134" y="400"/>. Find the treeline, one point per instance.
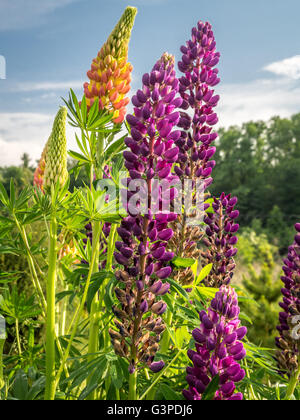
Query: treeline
<point x="258" y="162"/>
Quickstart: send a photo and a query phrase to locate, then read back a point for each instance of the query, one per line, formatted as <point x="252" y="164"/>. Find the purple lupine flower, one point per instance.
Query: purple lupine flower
<point x="145" y="232"/>
<point x="195" y="141"/>
<point x="196" y="89"/>
<point x="289" y="327"/>
<point x="219" y="349"/>
<point x="221" y="240"/>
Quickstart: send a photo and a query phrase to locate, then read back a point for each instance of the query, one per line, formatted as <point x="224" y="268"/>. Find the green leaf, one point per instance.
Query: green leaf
<point x="108" y="298"/>
<point x="84" y="110"/>
<point x="78" y="156"/>
<point x="20" y="386"/>
<point x="178" y="288"/>
<point x="204" y="273"/>
<point x="182" y="336"/>
<point x="114" y="148"/>
<point x="169" y="394"/>
<point x="180" y="262"/>
<point x="211" y="389"/>
<point x="245" y="317"/>
<point x="97" y="281"/>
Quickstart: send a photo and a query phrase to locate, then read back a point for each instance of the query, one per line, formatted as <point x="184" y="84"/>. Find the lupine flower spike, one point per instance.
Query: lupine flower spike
<point x="53" y="163"/>
<point x="221" y="240"/>
<point x="219" y="349"/>
<point x="110" y="73"/>
<point x="198" y="62"/>
<point x="289" y="318"/>
<point x="197" y="119"/>
<point x="144" y="237"/>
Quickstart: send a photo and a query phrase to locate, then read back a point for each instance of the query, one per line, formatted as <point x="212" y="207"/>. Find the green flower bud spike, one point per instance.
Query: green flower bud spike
<point x="56" y="154"/>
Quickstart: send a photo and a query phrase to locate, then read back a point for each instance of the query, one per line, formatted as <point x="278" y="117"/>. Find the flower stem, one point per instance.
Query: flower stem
<point x="2" y="342"/>
<point x="93" y="345"/>
<point x="50" y="323"/>
<point x="18" y="337"/>
<point x="132" y="395"/>
<point x="80" y="308"/>
<point x="34" y="276"/>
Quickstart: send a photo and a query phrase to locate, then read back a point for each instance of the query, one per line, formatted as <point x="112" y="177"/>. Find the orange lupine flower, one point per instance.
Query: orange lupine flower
<point x="38" y="177"/>
<point x="67" y="247"/>
<point x="110" y="73"/>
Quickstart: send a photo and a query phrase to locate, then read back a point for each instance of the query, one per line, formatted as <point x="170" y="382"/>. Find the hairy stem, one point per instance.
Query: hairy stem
<point x="93" y="345"/>
<point x="18" y="337"/>
<point x="31" y="264"/>
<point x="79" y="310"/>
<point x="50" y="326"/>
<point x="2" y="342"/>
<point x="132" y="395"/>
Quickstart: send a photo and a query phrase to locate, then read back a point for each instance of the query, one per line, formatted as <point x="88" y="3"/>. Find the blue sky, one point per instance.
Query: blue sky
<point x="49" y="44"/>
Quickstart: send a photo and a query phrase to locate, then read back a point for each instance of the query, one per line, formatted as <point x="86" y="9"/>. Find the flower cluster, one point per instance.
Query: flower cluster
<point x="289" y="328"/>
<point x="198" y="62"/>
<point x="67" y="247"/>
<point x="197" y="119"/>
<point x="53" y="163"/>
<point x="221" y="240"/>
<point x="110" y="73"/>
<point x="218" y="349"/>
<point x="144" y="236"/>
<point x="185" y="244"/>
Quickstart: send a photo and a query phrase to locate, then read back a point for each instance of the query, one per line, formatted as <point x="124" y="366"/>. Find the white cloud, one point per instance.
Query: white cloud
<point x="289" y="67"/>
<point x="258" y="100"/>
<point x="48" y="86"/>
<point x="240" y="102"/>
<point x="20" y="14"/>
<point x="26" y="133"/>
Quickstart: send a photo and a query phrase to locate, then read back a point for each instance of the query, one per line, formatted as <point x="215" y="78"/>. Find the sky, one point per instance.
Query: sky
<point x="48" y="46"/>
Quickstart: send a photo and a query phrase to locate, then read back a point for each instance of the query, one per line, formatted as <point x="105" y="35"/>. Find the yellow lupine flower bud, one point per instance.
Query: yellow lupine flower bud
<point x="56" y="153"/>
<point x="67" y="247"/>
<point x="38" y="177"/>
<point x="110" y="73"/>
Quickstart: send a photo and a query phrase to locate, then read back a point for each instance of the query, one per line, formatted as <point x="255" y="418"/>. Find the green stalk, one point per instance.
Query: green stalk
<point x="35" y="280"/>
<point x="50" y="324"/>
<point x="63" y="318"/>
<point x="293" y="384"/>
<point x="80" y="308"/>
<point x="18" y="337"/>
<point x="34" y="276"/>
<point x="93" y="346"/>
<point x="110" y="252"/>
<point x="2" y="342"/>
<point x="132" y="395"/>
